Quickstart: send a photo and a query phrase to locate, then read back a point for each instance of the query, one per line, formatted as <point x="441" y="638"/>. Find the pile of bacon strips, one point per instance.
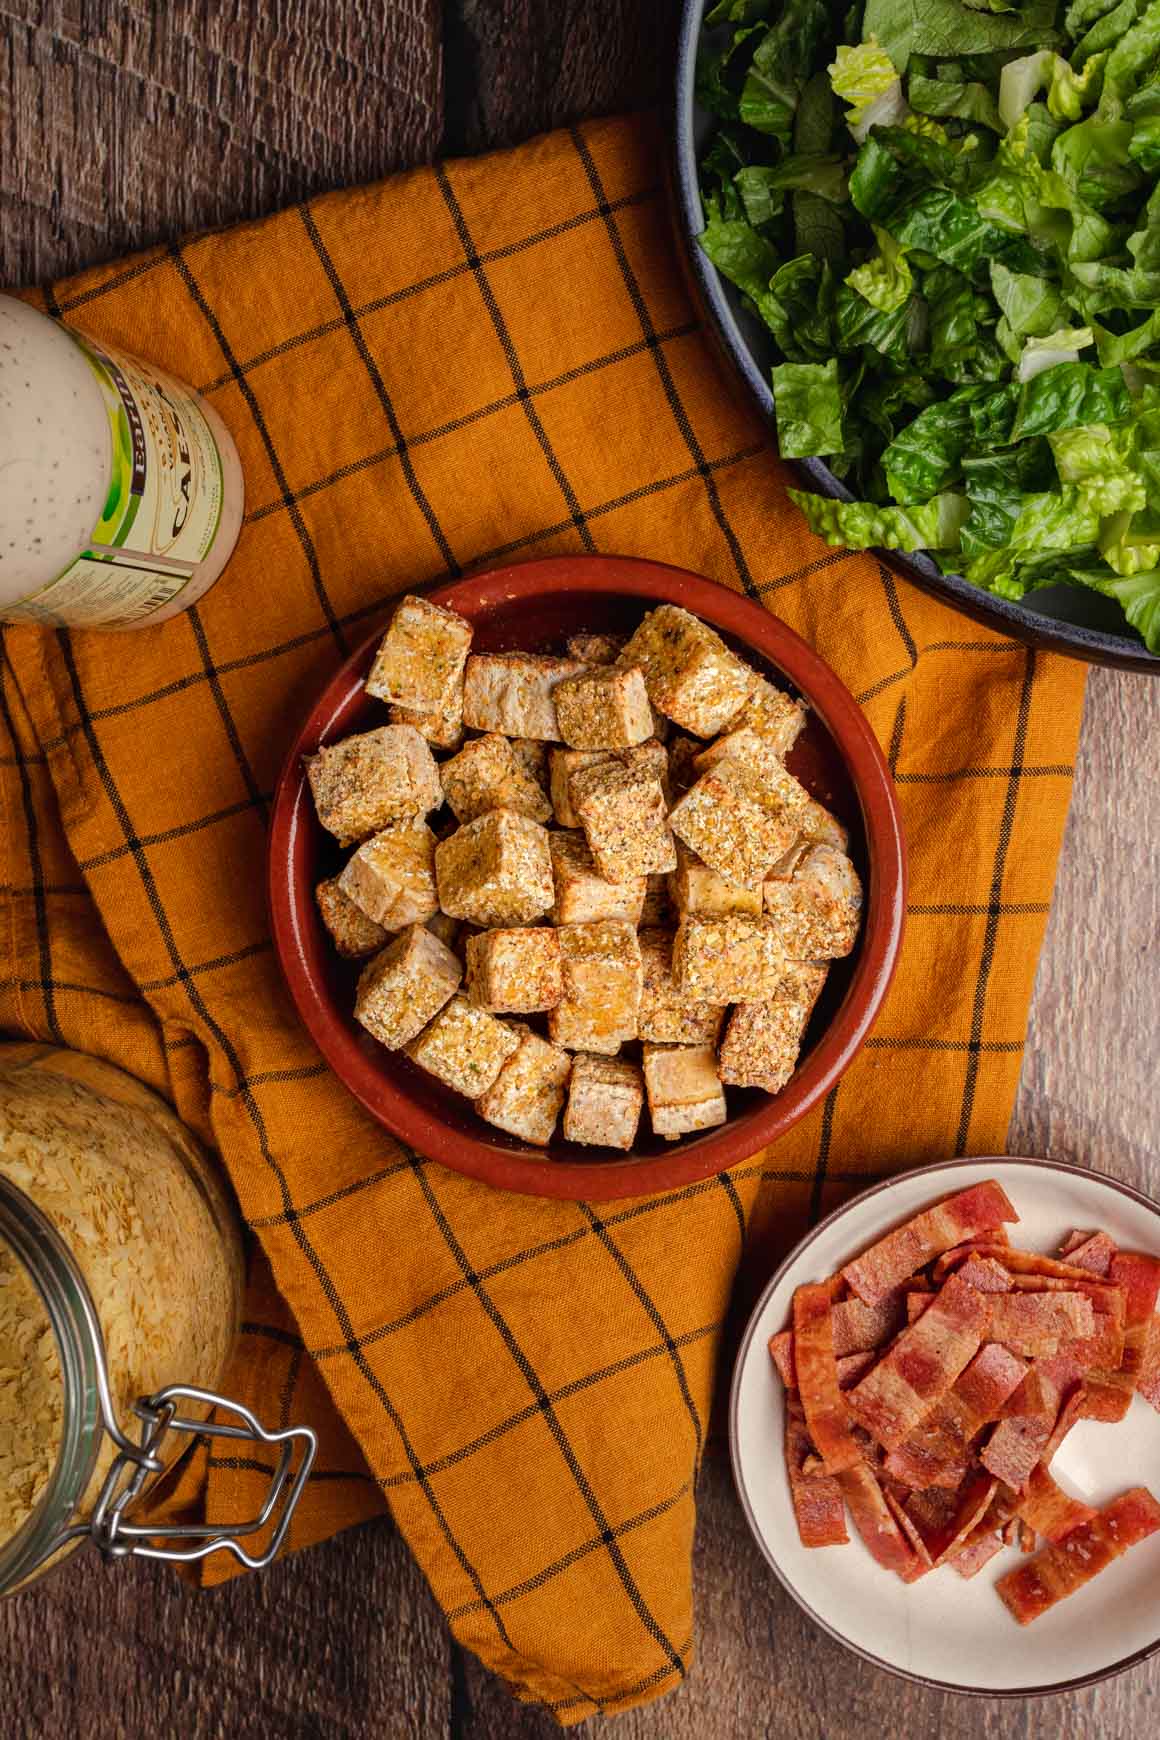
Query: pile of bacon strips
<point x="930" y="1383"/>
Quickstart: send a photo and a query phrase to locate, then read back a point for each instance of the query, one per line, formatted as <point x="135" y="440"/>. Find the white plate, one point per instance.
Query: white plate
<point x="945" y="1629"/>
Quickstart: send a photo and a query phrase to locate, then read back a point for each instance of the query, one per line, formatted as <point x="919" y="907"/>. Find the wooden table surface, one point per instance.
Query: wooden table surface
<point x="122" y="124"/>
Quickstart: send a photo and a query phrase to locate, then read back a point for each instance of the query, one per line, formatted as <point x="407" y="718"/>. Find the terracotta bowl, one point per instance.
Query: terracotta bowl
<point x="534" y="607"/>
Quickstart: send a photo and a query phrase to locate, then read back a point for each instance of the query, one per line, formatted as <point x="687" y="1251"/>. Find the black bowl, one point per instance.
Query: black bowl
<point x="1062" y="619"/>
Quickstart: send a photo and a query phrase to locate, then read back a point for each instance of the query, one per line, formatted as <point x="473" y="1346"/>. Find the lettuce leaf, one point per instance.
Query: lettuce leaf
<point x="781" y="65"/>
<point x="1099" y="460"/>
<point x="1033" y="306"/>
<point x="1138" y="596"/>
<point x="926" y="456"/>
<point x="762" y="187"/>
<point x="1067" y="395"/>
<point x="864" y="77"/>
<point x="961" y="100"/>
<point x="885" y="280"/>
<point x="863" y="525"/>
<point x="808" y="406"/>
<point x="942" y="28"/>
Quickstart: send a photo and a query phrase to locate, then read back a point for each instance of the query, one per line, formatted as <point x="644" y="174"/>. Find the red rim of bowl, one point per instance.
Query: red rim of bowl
<point x="1048" y="1688"/>
<point x="292" y="905"/>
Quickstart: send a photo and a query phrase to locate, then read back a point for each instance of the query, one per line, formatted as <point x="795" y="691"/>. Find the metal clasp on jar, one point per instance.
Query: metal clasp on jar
<point x="139" y="1465"/>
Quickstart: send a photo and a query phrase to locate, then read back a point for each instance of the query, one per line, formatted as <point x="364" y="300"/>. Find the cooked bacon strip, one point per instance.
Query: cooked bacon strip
<point x="1014" y="1261"/>
<point x="1148" y="1381"/>
<point x="916" y="1304"/>
<point x="970" y="1561"/>
<point x="817" y="1502"/>
<point x="873" y="1521"/>
<point x="922" y="1364"/>
<point x="937" y="1453"/>
<point x="879" y="1271"/>
<point x="972" y="1502"/>
<point x="852" y="1366"/>
<point x="985" y="1274"/>
<point x="1140" y="1278"/>
<point x="1015" y="1446"/>
<point x="813" y="1356"/>
<point x="1059" y="1570"/>
<point x="1049" y="1510"/>
<point x="1034" y="1323"/>
<point x="1092" y="1251"/>
<point x="922" y="1559"/>
<point x="1107" y="1397"/>
<point x="855" y="1328"/>
<point x="1010" y="1532"/>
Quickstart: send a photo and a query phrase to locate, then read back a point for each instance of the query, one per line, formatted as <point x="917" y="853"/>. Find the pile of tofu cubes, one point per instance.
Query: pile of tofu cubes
<point x="684" y="905"/>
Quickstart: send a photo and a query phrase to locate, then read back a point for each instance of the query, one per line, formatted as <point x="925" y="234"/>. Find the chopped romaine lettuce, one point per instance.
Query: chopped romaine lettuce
<point x="808" y="404"/>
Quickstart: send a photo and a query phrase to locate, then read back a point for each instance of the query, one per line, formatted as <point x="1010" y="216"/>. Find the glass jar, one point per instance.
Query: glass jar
<point x="120" y="1296"/>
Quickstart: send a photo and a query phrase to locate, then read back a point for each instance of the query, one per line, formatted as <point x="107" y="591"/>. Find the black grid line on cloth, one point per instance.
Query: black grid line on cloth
<point x="248" y="661"/>
<point x="375" y="375"/>
<point x="257" y="1121"/>
<point x="574" y="1387"/>
<point x="251" y="1465"/>
<point x="991" y="929"/>
<point x="263" y="1078"/>
<point x="179" y="831"/>
<point x="257" y="797"/>
<point x="736" y="1205"/>
<point x="184" y="974"/>
<point x="765" y="587"/>
<point x="259" y="420"/>
<point x="894" y="606"/>
<point x="648" y="1305"/>
<point x="560" y="1706"/>
<point x="1002" y="908"/>
<point x="825" y="1139"/>
<point x="1049" y="770"/>
<point x="531" y="1585"/>
<point x="376" y="305"/>
<point x="882" y="1042"/>
<point x="503" y="334"/>
<point x="96" y="291"/>
<point x="271" y="1332"/>
<point x="335" y="1196"/>
<point x="555" y="1426"/>
<point x="515" y="1260"/>
<point x="668" y="384"/>
<point x="971" y="646"/>
<point x="35" y="862"/>
<point x="468" y="419"/>
<point x="59" y="987"/>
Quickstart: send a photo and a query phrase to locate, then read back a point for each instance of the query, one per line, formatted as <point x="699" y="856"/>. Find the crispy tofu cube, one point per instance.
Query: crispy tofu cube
<point x="527" y="1094"/>
<point x="445" y="928"/>
<point x="762" y="1040"/>
<point x="376" y="777"/>
<point x="653" y="757"/>
<point x="691" y="675"/>
<point x="351" y="931"/>
<point x="514" y="970"/>
<point x="533" y="758"/>
<point x="562" y="764"/>
<point x="820" y="828"/>
<point x="405" y="985"/>
<point x="595" y="649"/>
<point x="623" y="813"/>
<point x="443" y="730"/>
<point x="684" y="1092"/>
<point x="583" y="895"/>
<point x="727" y="960"/>
<point x="696" y="888"/>
<point x="657" y="906"/>
<point x="392" y="876"/>
<point x="488" y="775"/>
<point x="464" y="1047"/>
<point x="603" y="979"/>
<point x="605" y="1100"/>
<point x="604" y="707"/>
<point x="668" y="1015"/>
<point x="495" y="870"/>
<point x="817" y="912"/>
<point x="784" y="869"/>
<point x="421" y="657"/>
<point x="512" y="693"/>
<point x="772" y="715"/>
<point x="739" y="822"/>
<point x="683" y="752"/>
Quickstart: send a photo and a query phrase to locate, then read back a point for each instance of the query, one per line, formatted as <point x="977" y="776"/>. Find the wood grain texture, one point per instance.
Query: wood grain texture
<point x="124" y="124"/>
<point x="129" y="123"/>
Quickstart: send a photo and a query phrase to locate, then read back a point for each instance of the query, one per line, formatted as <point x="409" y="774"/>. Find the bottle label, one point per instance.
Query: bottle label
<point x="161" y="514"/>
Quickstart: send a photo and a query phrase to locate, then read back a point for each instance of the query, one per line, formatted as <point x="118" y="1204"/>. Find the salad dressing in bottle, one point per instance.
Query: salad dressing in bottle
<point x="121" y="494"/>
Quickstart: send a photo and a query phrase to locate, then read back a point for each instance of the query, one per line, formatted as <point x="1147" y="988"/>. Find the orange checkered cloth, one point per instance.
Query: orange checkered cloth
<point x="461" y="365"/>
